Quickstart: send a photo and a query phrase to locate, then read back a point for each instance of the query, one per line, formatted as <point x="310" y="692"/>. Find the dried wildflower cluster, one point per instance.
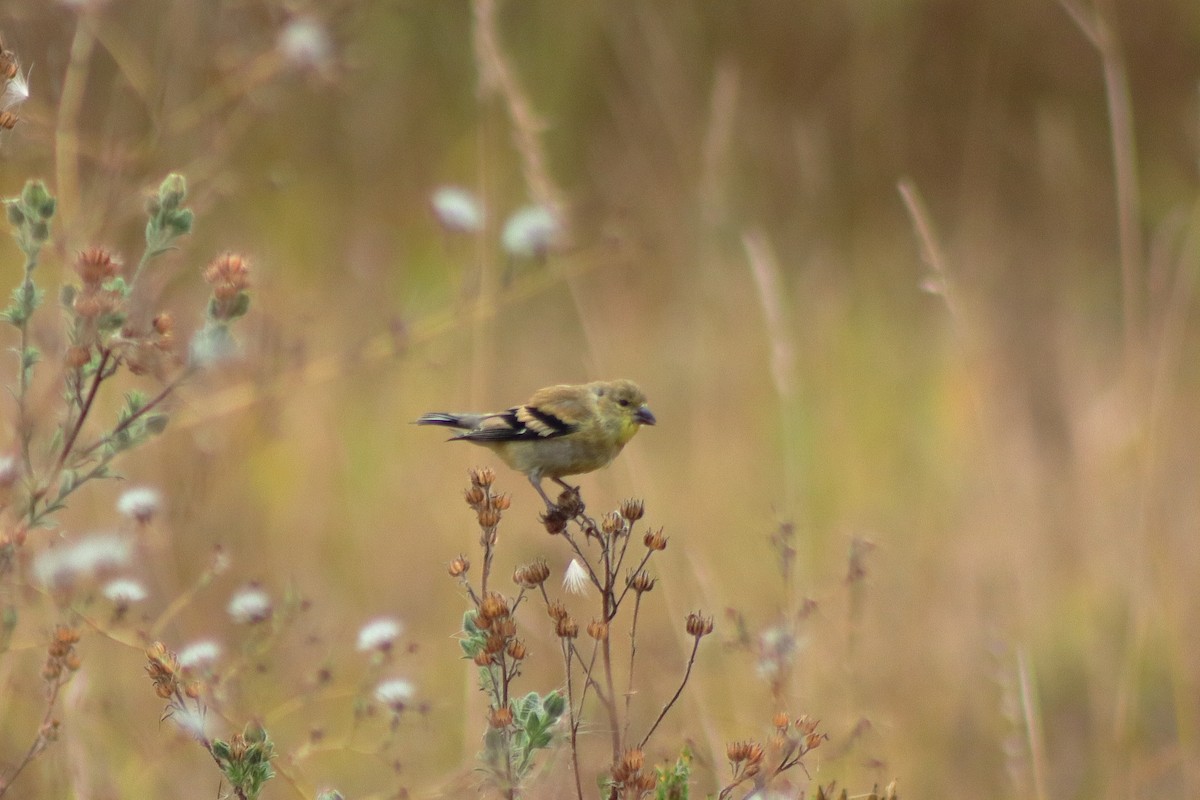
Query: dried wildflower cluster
<point x="627" y="779"/>
<point x="108" y="330"/>
<point x="61" y="657"/>
<point x="229" y="277"/>
<point x="602" y="561"/>
<point x="791" y="740"/>
<point x="110" y="333"/>
<point x="516" y="727"/>
<point x="245" y="758"/>
<point x="165" y="673"/>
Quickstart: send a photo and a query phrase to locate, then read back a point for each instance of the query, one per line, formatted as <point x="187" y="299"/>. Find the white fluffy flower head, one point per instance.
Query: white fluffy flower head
<point x="379" y="634"/>
<point x="575" y="579"/>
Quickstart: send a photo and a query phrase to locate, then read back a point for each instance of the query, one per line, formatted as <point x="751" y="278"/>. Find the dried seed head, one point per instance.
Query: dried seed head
<point x="654" y="540"/>
<point x="556" y="610"/>
<point x="488" y="517"/>
<point x="748" y="751"/>
<point x="598" y="630"/>
<point x="493" y="606"/>
<point x="555" y="521"/>
<point x="781" y="721"/>
<point x="516" y="650"/>
<point x="533" y="574"/>
<point x="459" y="566"/>
<point x="482" y="477"/>
<point x="628" y="771"/>
<point x="483" y="658"/>
<point x="501" y="502"/>
<point x="494" y="643"/>
<point x="642" y="582"/>
<point x="566" y="628"/>
<point x="474" y="497"/>
<point x="229" y="275"/>
<point x="507" y="627"/>
<point x="163" y="669"/>
<point x="500" y="717"/>
<point x="96" y="265"/>
<point x="699" y="625"/>
<point x="64" y="637"/>
<point x="612" y="523"/>
<point x="632" y="509"/>
<point x="8" y="64"/>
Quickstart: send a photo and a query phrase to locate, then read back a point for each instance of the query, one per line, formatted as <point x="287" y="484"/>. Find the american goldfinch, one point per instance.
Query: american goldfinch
<point x="562" y="430"/>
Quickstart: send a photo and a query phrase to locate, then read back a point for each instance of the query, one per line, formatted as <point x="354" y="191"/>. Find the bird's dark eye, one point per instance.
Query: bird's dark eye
<point x="622" y="402"/>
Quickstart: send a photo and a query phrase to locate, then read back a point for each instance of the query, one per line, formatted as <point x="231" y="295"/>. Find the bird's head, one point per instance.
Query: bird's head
<point x="622" y="400"/>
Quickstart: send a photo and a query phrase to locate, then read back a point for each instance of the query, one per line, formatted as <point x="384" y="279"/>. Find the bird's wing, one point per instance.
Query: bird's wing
<point x="520" y="423"/>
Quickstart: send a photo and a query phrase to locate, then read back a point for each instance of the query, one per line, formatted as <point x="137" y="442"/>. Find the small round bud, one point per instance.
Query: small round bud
<point x="77" y="357"/>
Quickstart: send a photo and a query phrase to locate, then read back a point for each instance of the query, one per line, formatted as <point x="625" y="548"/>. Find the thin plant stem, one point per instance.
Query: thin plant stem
<point x="84" y="408"/>
<point x="1033" y="728"/>
<point x="39" y="741"/>
<point x="70" y="107"/>
<point x="637" y="605"/>
<point x="1097" y="28"/>
<point x="687" y="673"/>
<point x="137" y="415"/>
<point x="571" y="718"/>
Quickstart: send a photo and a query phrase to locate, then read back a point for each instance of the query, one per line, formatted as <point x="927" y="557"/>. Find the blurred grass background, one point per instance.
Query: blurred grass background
<point x="1021" y="449"/>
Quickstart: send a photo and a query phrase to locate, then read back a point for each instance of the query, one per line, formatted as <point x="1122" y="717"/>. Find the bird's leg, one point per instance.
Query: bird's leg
<point x="565" y="485"/>
<point x="537" y="484"/>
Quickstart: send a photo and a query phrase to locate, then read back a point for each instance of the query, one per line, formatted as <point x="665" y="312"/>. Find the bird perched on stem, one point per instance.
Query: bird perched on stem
<point x="562" y="430"/>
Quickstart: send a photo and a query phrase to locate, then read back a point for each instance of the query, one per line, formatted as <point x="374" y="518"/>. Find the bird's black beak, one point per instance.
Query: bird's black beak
<point x="644" y="417"/>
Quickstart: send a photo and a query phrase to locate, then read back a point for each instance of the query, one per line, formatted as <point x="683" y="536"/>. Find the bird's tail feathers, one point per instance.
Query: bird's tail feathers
<point x="444" y="420"/>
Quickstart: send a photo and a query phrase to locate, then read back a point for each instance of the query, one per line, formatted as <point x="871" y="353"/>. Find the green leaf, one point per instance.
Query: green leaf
<point x="239" y="306"/>
<point x="134" y="402"/>
<point x="156" y="423"/>
<point x="554" y="705"/>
